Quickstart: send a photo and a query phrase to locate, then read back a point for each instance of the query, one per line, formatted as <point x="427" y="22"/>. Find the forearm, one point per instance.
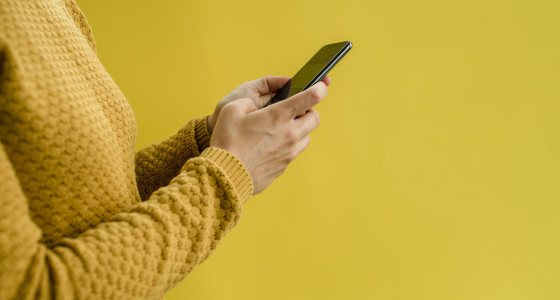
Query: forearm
<point x="158" y="163"/>
<point x="138" y="254"/>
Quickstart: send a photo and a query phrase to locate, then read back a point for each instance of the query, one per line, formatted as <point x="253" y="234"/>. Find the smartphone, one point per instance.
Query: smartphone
<point x="314" y="70"/>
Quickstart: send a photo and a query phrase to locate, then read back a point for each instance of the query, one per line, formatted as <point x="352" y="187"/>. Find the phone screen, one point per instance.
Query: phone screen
<point x="314" y="70"/>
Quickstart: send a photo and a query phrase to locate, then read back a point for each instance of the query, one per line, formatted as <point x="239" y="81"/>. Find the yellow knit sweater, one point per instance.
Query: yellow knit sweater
<point x="81" y="215"/>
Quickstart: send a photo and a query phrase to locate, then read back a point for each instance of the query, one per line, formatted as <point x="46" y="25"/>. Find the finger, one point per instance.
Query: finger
<point x="308" y="122"/>
<point x="269" y="84"/>
<point x="327" y="80"/>
<point x="298" y="148"/>
<point x="301" y="102"/>
<point x="302" y="144"/>
<point x="263" y="89"/>
<point x="267" y="87"/>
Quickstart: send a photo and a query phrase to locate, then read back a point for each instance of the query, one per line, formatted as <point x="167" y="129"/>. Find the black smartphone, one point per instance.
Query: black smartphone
<point x="314" y="70"/>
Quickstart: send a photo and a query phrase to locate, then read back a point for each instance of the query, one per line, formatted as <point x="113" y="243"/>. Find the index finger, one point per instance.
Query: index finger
<point x="301" y="102"/>
<point x="327" y="80"/>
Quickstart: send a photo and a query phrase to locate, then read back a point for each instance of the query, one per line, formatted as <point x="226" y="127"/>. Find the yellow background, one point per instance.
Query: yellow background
<point x="435" y="173"/>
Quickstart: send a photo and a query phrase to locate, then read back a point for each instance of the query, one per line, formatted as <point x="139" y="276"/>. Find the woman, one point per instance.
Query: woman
<point x="83" y="216"/>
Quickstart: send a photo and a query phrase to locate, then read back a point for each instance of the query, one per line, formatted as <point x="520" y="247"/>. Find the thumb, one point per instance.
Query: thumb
<point x="268" y="86"/>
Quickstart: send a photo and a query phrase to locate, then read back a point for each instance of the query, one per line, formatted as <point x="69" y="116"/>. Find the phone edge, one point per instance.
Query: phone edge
<point x="338" y="57"/>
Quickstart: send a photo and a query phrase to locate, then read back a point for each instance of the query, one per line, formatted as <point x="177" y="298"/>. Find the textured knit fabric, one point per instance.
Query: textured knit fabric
<point x="81" y="215"/>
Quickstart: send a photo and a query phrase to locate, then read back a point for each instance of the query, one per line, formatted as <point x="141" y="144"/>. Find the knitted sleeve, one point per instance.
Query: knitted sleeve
<point x="157" y="164"/>
<point x="138" y="254"/>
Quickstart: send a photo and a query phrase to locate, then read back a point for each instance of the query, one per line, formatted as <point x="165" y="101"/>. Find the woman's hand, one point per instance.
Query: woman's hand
<point x="266" y="140"/>
<point x="259" y="91"/>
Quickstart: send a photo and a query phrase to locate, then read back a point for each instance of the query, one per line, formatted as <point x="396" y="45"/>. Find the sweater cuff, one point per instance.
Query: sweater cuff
<point x="201" y="134"/>
<point x="234" y="169"/>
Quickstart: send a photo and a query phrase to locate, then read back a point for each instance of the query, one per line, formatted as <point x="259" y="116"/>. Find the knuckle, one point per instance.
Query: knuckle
<point x="229" y="108"/>
<point x="291" y="156"/>
<point x="295" y="110"/>
<point x="245" y="89"/>
<point x="276" y="116"/>
<point x="316" y="117"/>
<point x="314" y="95"/>
<point x="291" y="138"/>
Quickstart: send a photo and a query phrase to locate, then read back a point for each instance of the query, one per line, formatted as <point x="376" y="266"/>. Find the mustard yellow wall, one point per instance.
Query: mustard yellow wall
<point x="435" y="173"/>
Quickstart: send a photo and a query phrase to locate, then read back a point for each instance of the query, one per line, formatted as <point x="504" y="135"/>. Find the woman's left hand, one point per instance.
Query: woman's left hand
<point x="260" y="91"/>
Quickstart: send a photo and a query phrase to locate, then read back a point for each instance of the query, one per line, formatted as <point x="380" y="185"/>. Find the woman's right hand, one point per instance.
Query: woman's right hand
<point x="266" y="140"/>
